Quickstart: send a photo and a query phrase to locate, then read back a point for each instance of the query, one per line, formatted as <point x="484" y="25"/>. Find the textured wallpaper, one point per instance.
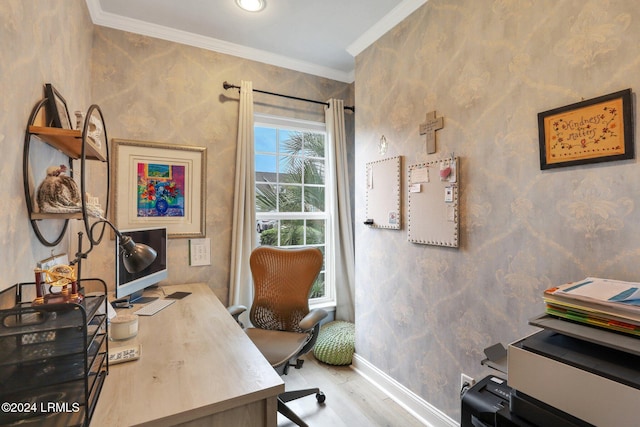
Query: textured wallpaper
<point x="425" y="313"/>
<point x="42" y="42"/>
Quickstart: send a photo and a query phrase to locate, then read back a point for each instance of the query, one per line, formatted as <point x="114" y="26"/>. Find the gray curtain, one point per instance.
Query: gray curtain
<point x="243" y="239"/>
<point x="342" y="238"/>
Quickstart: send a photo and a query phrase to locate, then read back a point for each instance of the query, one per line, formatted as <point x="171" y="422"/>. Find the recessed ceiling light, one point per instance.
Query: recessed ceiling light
<point x="251" y="5"/>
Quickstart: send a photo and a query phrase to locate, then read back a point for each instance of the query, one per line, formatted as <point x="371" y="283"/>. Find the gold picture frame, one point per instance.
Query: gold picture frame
<point x="591" y="131"/>
<point x="159" y="184"/>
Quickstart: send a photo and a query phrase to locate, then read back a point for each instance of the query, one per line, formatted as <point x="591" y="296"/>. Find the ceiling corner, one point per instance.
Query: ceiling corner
<point x="393" y="18"/>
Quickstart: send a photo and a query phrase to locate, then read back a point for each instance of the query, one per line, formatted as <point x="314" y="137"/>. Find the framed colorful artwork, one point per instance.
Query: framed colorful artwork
<point x="159" y="184"/>
<point x="591" y="131"/>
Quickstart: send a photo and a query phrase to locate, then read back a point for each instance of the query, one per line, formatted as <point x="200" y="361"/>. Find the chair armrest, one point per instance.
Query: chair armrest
<point x="312" y="319"/>
<point x="236" y="311"/>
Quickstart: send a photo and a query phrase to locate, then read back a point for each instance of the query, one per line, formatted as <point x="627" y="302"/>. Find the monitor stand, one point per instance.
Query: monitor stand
<point x="137" y="298"/>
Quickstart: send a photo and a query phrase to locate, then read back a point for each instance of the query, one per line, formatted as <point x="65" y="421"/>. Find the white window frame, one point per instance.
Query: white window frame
<point x="269" y="121"/>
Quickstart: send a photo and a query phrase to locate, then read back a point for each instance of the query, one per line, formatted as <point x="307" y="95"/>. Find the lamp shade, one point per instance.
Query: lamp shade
<point x="136" y="256"/>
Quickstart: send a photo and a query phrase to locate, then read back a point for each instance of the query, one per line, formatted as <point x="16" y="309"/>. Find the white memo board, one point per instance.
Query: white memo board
<point x="383" y="193"/>
<point x="433" y="203"/>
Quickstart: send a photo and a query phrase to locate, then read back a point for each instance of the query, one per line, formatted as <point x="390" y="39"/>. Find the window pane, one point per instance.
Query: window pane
<point x="267" y="232"/>
<point x="314" y="144"/>
<point x="287" y="169"/>
<point x="317" y="290"/>
<point x="265" y="139"/>
<point x="265" y="167"/>
<point x="313" y="199"/>
<point x="287" y="138"/>
<point x="292" y="233"/>
<point x="290" y="198"/>
<point x="315" y="231"/>
<point x="314" y="172"/>
<point x="266" y="198"/>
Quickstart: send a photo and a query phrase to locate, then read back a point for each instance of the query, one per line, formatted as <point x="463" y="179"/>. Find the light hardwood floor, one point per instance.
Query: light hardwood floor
<point x="351" y="401"/>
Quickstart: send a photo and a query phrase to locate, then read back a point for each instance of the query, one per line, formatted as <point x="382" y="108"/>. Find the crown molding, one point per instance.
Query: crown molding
<point x="102" y="18"/>
<point x="393" y="18"/>
<point x="390" y="20"/>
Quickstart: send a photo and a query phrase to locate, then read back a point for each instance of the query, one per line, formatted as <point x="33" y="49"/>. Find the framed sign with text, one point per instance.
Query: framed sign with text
<point x="591" y="131"/>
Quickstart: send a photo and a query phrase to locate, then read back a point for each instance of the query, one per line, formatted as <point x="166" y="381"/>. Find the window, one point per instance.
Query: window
<point x="291" y="190"/>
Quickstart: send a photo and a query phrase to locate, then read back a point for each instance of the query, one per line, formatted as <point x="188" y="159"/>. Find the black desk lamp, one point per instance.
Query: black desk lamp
<point x="136" y="256"/>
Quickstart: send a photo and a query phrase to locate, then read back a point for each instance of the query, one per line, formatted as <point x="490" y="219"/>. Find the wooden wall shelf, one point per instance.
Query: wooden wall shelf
<point x="37" y="215"/>
<point x="76" y="145"/>
<point x="68" y="141"/>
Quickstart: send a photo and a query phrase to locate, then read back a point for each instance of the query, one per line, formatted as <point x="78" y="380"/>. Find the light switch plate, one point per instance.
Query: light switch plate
<point x="200" y="251"/>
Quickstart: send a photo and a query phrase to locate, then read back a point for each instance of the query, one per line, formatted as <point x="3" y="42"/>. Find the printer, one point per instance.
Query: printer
<point x="594" y="383"/>
<point x="490" y="403"/>
<point x="486" y="402"/>
<point x="566" y="375"/>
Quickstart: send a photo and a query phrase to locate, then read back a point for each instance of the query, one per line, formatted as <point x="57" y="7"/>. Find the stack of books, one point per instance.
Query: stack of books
<point x="605" y="303"/>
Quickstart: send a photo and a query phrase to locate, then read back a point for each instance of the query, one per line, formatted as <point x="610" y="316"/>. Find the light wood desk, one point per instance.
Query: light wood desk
<point x="197" y="368"/>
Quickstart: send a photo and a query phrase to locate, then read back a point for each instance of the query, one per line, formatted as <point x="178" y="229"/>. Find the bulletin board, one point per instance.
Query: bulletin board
<point x="433" y="203"/>
<point x="384" y="193"/>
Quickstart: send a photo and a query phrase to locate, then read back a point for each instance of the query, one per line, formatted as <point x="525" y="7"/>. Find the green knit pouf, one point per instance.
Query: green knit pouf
<point x="336" y="343"/>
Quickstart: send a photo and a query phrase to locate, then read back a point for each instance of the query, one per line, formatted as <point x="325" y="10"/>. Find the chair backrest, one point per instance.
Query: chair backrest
<point x="282" y="281"/>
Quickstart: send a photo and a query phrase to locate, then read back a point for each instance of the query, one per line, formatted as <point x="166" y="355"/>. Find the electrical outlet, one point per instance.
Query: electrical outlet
<point x="466" y="379"/>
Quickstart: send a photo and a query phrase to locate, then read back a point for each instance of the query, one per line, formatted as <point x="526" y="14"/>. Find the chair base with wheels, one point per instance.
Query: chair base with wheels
<point x="288" y="396"/>
<point x="276" y="348"/>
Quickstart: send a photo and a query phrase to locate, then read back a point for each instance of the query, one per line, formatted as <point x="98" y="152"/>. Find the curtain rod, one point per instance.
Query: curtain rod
<point x="230" y="86"/>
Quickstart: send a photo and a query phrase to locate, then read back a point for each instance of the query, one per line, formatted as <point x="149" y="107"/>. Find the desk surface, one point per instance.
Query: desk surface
<point x="195" y="361"/>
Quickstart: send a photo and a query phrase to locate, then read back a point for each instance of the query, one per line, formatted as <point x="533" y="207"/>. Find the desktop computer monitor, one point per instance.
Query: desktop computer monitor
<point x="132" y="285"/>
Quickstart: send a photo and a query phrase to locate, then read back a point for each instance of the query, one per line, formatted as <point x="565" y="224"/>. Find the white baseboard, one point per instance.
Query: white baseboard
<point x="426" y="413"/>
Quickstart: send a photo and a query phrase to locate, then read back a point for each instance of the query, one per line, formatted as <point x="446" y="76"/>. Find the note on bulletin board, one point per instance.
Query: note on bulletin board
<point x="433" y="203"/>
<point x="383" y="193"/>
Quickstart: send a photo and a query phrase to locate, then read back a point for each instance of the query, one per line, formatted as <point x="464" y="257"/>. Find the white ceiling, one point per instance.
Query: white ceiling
<point x="319" y="37"/>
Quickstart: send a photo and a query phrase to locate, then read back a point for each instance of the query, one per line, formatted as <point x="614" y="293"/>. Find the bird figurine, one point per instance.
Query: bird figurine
<point x="58" y="193"/>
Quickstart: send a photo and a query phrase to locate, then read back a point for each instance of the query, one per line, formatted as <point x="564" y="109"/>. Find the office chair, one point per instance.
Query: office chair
<point x="283" y="328"/>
